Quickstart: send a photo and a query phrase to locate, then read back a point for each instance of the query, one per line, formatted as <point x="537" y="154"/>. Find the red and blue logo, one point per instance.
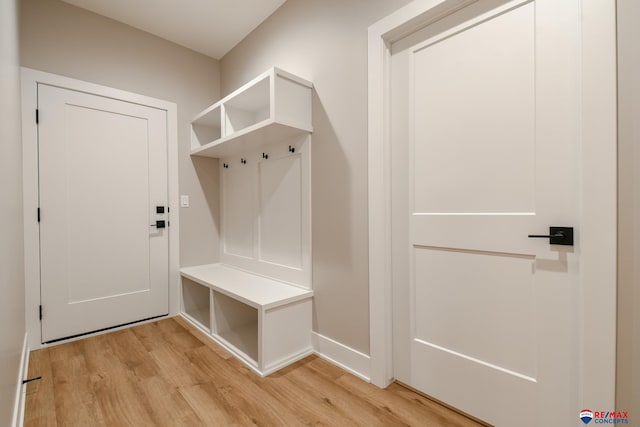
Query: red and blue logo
<point x="604" y="417"/>
<point x="586" y="416"/>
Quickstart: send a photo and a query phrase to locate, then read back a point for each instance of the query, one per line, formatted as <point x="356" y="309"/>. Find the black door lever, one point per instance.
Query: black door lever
<point x="557" y="236"/>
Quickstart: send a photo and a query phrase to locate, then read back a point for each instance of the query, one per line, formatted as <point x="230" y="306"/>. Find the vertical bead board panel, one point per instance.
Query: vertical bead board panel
<point x="238" y="207"/>
<point x="280" y="207"/>
<point x="266" y="211"/>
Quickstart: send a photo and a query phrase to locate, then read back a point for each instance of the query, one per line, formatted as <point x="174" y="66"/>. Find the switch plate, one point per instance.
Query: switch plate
<point x="184" y="201"/>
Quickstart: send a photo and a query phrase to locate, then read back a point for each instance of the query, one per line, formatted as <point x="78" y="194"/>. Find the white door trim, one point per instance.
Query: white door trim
<point x="30" y="80"/>
<point x="596" y="331"/>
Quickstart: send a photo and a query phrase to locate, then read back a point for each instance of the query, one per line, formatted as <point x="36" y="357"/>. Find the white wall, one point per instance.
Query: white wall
<point x="12" y="326"/>
<point x="63" y="39"/>
<point x="325" y="41"/>
<point x="628" y="363"/>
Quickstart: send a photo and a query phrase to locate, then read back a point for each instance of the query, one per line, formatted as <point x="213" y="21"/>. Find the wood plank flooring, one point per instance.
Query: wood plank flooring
<point x="167" y="373"/>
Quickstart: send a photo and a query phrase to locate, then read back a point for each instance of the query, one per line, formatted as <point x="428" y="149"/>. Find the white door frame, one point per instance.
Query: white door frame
<point x="596" y="331"/>
<point x="30" y="80"/>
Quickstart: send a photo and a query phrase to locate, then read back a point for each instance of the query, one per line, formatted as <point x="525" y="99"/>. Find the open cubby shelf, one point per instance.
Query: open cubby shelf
<point x="274" y="106"/>
<point x="195" y="302"/>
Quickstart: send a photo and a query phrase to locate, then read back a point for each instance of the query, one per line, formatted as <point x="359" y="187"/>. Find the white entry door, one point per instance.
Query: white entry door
<point x="485" y="126"/>
<point x="102" y="173"/>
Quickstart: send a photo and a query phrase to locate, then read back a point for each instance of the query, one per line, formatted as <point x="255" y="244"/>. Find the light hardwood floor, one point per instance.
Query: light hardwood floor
<point x="167" y="373"/>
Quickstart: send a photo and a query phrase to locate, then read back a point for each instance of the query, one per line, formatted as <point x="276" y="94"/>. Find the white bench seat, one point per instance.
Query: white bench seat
<point x="253" y="290"/>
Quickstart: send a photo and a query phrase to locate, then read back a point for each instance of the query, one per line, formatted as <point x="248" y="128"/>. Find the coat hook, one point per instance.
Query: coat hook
<point x="292" y="149"/>
<point x="265" y="156"/>
<point x="243" y="161"/>
<point x="226" y="165"/>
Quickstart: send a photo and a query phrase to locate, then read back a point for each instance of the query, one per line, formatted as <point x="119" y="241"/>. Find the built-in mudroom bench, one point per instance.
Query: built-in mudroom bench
<point x="264" y="322"/>
<point x="256" y="300"/>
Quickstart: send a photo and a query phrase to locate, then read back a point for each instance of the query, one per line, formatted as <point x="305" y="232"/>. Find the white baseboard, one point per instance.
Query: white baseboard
<point x="18" y="408"/>
<point x="352" y="361"/>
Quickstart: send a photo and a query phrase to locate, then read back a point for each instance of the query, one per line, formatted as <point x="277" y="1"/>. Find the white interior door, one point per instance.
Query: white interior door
<point x="485" y="119"/>
<point x="102" y="172"/>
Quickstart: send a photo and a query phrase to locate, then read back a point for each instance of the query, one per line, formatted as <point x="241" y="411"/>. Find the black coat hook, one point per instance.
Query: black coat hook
<point x="292" y="149"/>
<point x="243" y="161"/>
<point x="265" y="156"/>
<point x="225" y="165"/>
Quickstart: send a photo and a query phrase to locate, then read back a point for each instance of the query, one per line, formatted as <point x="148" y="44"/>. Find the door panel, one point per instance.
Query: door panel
<point x="484" y="128"/>
<point x="97" y="145"/>
<point x="103" y="170"/>
<point x="473" y="84"/>
<point x="463" y="310"/>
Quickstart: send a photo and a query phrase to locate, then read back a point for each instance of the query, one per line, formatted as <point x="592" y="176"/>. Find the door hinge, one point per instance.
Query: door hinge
<point x="37" y="116"/>
<point x="40" y="311"/>
<point x="38" y="214"/>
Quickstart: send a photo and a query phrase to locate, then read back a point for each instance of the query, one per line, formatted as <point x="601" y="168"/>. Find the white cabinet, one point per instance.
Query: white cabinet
<point x="272" y="107"/>
<point x="257" y="300"/>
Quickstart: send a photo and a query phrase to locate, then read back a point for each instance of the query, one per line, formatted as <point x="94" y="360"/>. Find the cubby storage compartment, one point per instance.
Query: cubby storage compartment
<point x="196" y="303"/>
<point x="236" y="323"/>
<point x="248" y="107"/>
<point x="206" y="127"/>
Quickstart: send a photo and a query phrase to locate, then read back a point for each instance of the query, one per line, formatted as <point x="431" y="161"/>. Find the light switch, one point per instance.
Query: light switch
<point x="184" y="201"/>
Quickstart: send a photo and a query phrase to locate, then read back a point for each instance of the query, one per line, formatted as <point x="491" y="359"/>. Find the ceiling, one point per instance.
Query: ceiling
<point x="211" y="27"/>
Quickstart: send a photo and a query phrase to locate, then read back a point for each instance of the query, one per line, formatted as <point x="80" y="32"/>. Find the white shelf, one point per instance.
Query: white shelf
<point x="261" y="134"/>
<point x="255" y="291"/>
<point x="274" y="106"/>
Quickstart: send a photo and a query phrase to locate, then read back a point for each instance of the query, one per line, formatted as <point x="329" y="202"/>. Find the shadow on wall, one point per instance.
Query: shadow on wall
<point x="207" y="171"/>
<point x="330" y="203"/>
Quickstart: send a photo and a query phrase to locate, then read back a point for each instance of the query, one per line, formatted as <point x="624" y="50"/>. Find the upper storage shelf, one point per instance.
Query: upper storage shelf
<point x="270" y="108"/>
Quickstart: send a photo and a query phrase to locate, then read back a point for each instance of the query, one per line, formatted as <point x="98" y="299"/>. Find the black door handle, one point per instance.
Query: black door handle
<point x="557" y="236"/>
